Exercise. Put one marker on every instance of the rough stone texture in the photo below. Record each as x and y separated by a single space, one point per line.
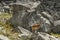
36 36
42 12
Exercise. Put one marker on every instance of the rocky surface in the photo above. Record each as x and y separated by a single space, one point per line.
31 20
8 33
35 12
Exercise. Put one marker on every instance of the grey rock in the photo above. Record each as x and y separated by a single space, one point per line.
46 14
28 13
28 18
24 32
56 29
46 36
57 22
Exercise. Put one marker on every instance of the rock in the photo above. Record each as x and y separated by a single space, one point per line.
24 20
2 37
40 36
24 32
27 14
32 18
35 36
46 14
46 36
56 29
57 22
45 24
56 16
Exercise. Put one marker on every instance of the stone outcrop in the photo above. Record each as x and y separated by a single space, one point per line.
29 13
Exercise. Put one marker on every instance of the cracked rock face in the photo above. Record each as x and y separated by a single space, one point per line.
28 18
27 15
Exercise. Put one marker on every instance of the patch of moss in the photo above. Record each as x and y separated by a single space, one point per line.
56 35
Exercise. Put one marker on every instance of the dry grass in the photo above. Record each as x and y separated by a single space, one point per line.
7 28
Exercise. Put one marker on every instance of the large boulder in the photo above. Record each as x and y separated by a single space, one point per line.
27 15
37 15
